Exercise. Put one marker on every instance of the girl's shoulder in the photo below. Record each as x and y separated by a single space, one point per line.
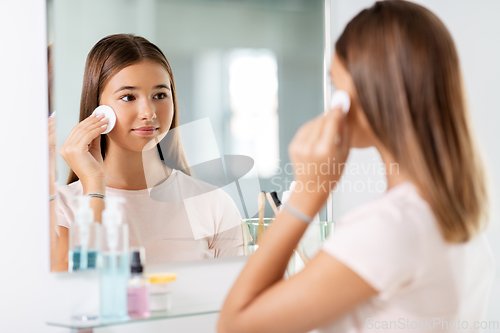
399 204
399 219
382 241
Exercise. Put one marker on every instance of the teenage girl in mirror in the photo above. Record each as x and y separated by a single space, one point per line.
417 253
134 78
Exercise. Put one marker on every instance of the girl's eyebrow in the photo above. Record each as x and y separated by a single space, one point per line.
160 86
126 88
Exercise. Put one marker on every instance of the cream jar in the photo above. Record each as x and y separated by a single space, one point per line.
160 291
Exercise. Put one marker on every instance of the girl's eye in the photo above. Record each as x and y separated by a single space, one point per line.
160 96
127 98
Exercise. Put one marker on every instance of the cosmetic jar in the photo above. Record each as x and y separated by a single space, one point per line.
160 291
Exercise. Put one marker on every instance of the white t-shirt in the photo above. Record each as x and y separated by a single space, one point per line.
182 218
425 284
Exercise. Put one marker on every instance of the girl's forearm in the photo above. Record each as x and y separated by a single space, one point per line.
268 264
97 204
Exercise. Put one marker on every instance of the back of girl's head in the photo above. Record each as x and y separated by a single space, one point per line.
110 55
406 71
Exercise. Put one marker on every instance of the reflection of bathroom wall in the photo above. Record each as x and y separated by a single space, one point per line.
197 37
294 36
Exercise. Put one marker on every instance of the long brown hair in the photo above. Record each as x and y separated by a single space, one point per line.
407 75
109 56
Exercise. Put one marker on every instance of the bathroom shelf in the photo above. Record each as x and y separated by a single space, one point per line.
87 326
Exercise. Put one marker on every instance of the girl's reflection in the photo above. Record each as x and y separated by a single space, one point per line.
133 77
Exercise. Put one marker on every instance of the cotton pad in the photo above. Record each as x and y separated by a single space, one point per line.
340 99
109 114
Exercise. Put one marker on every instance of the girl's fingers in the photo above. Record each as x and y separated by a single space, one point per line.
82 134
92 134
80 129
97 124
319 135
77 128
314 130
79 136
95 145
332 129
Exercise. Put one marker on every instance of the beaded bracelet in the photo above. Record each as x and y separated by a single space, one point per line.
96 195
303 217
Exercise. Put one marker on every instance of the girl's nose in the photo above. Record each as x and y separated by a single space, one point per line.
147 111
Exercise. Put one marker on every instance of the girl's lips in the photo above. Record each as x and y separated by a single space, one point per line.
145 132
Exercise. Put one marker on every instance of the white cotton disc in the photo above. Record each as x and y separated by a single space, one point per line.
340 99
109 114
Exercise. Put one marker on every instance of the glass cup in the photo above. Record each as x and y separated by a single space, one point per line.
307 248
251 233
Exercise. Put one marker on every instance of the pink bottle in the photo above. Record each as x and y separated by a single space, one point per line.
138 287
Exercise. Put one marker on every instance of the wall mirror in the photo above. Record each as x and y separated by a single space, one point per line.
247 74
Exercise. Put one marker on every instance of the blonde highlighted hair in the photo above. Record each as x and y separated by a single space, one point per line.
407 75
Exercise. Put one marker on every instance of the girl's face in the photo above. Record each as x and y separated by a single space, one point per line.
360 131
141 97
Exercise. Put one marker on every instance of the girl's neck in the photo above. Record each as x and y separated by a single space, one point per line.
131 170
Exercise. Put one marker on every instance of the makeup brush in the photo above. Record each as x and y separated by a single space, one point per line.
270 199
261 202
276 200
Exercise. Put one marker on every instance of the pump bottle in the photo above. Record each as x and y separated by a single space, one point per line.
84 240
114 270
138 286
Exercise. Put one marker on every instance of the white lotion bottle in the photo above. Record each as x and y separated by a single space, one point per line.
84 240
115 270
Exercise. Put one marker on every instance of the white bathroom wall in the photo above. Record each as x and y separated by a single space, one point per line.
475 28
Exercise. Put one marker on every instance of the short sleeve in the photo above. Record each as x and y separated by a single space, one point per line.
382 248
62 221
61 207
65 205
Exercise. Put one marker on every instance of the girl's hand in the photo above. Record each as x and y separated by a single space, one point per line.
82 149
318 153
